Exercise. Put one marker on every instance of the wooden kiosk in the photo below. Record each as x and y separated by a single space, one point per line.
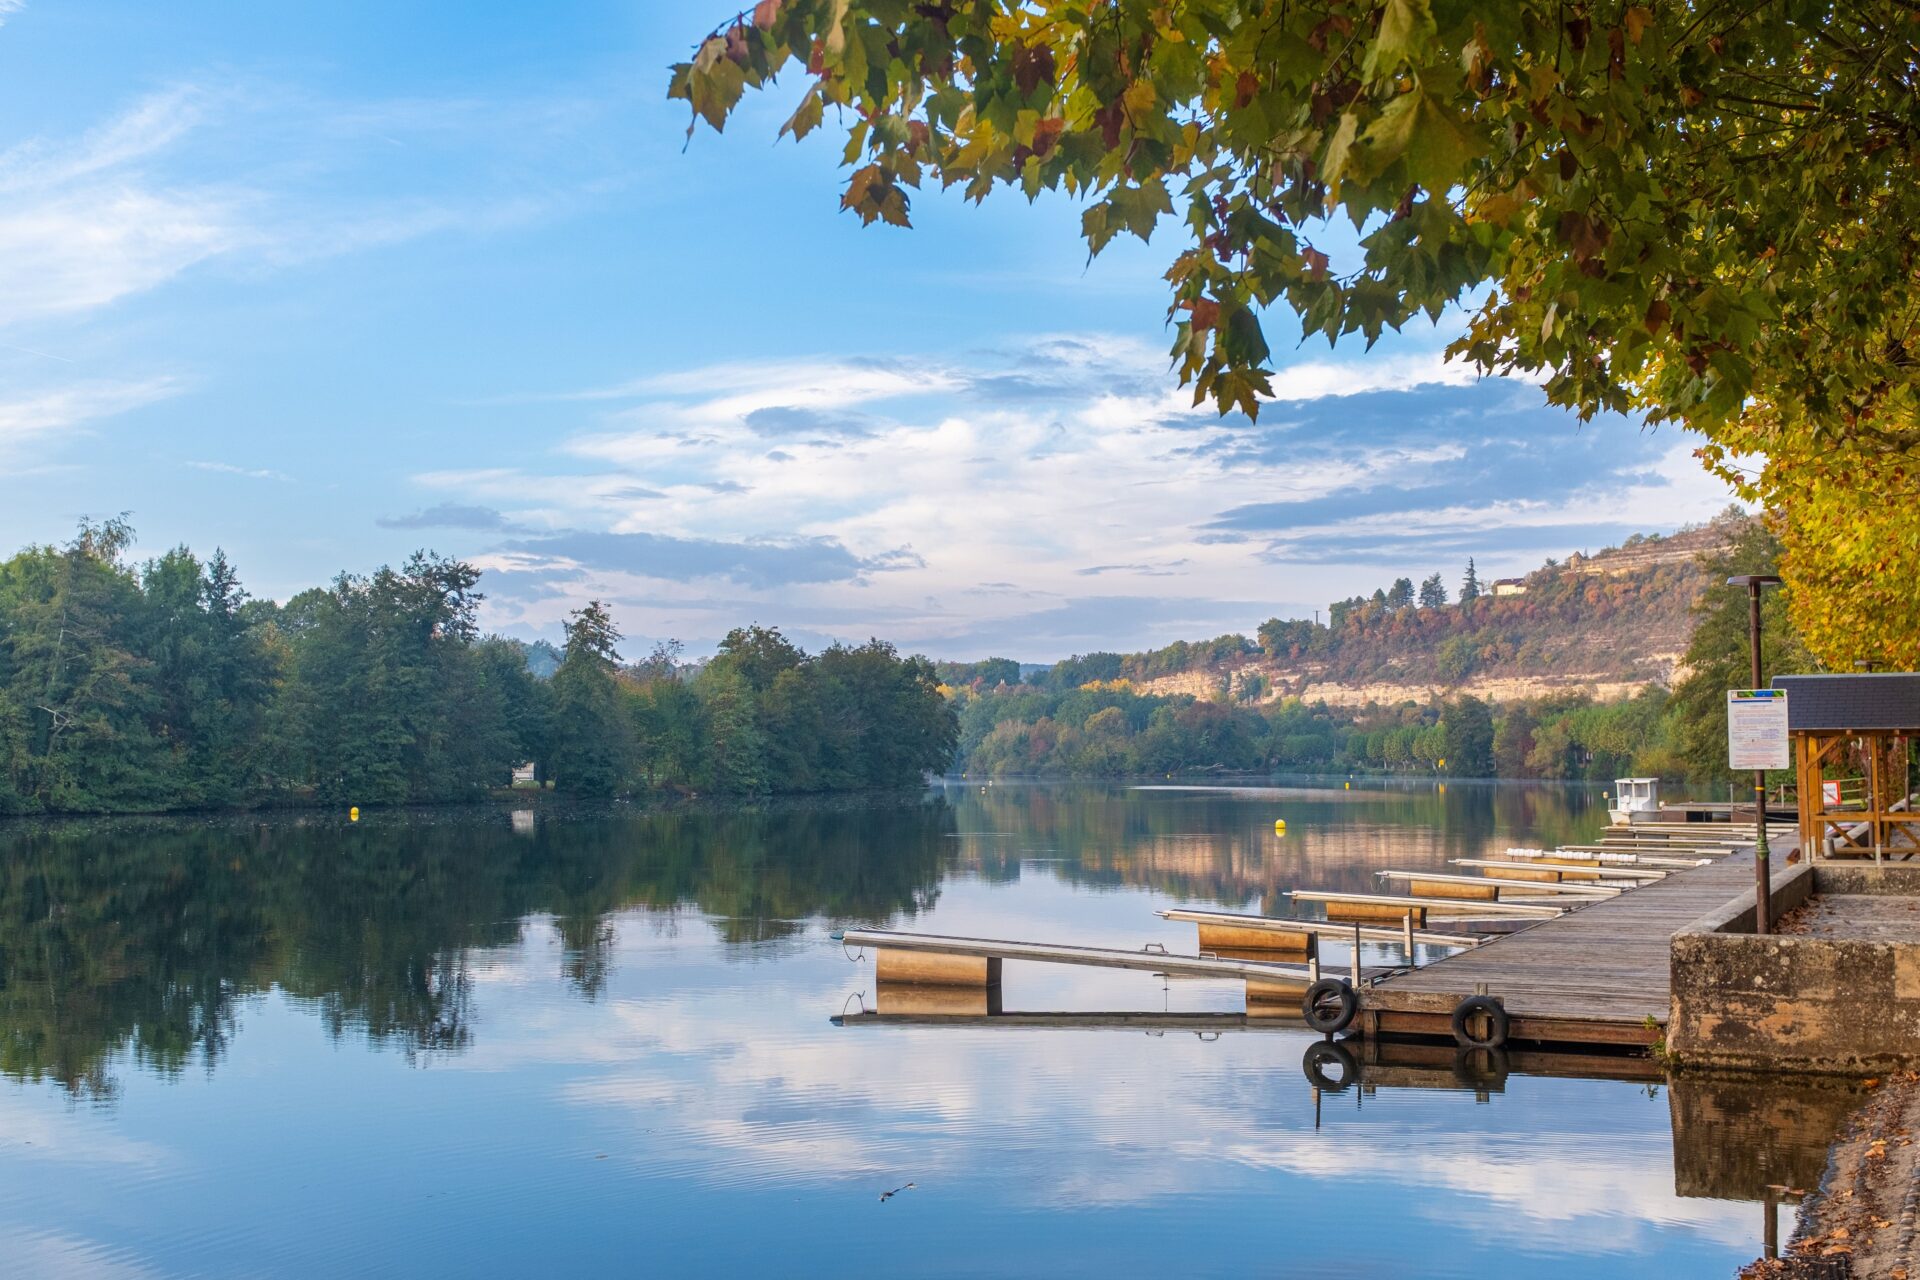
1852 738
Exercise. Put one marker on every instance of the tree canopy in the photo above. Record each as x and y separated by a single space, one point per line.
162 686
1701 212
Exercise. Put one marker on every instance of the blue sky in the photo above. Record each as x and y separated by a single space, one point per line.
325 284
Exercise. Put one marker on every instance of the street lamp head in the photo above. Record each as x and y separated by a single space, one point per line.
1754 580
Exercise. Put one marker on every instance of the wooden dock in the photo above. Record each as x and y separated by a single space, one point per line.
1392 907
944 966
1630 877
1439 884
1093 1020
1592 976
1284 933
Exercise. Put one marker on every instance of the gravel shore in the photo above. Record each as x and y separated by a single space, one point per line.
1860 1223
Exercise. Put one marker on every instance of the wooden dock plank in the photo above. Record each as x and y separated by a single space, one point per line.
1592 974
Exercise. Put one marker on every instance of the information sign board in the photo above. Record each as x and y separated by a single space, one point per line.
1757 729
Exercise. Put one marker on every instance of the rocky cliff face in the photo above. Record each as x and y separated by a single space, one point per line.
1282 682
1607 625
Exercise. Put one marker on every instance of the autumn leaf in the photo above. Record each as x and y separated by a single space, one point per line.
1032 67
805 118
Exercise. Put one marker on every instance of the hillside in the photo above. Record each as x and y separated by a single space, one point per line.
1608 624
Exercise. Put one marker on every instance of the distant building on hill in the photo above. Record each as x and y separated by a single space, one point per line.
1509 586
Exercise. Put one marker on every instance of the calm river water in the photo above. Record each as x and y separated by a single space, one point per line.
495 1043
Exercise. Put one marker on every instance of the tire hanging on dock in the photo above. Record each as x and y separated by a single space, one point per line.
1329 1006
1473 1007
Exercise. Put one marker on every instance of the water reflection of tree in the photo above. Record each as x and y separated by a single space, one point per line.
1214 847
143 939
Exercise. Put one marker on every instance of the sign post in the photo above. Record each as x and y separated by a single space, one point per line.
1757 740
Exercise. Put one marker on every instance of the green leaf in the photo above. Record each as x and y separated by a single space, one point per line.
805 118
715 83
1242 341
1426 135
1389 136
1406 28
1140 207
1097 226
1333 165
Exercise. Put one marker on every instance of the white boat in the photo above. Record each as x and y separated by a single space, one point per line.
1635 800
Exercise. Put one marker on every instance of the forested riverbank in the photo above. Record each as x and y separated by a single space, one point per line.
1096 716
164 686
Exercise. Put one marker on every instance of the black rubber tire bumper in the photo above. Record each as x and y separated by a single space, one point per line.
1473 1007
1329 1005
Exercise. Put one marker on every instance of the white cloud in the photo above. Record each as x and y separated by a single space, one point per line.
86 222
64 407
1028 465
191 175
242 171
228 469
1316 379
141 131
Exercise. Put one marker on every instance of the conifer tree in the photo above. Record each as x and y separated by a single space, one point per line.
593 752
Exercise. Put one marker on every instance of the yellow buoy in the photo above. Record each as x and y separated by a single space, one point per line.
1279 824
1349 786
353 814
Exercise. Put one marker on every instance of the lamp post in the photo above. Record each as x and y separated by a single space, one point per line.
1762 906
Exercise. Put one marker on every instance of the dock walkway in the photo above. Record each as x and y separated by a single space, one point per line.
1592 976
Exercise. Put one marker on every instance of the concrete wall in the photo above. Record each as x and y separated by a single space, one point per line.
1891 879
1789 1002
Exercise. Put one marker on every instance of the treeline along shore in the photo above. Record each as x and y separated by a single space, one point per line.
1097 715
163 686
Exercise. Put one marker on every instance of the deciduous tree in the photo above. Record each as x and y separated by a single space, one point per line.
1700 212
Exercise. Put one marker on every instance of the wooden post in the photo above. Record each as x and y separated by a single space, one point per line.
1762 881
1407 925
1356 958
1879 802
